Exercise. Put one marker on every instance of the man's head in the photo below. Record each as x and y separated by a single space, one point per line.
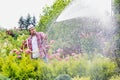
32 30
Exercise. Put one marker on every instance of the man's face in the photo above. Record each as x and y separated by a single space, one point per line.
32 31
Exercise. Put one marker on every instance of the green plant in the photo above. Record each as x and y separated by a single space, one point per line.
51 13
116 77
102 68
63 77
24 68
81 78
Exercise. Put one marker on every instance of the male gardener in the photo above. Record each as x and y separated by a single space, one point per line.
36 42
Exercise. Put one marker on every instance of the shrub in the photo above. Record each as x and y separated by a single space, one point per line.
25 68
115 77
63 77
101 68
81 78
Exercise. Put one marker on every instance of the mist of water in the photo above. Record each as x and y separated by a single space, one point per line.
86 8
85 26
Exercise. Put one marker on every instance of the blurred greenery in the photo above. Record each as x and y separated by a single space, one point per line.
117 17
81 67
51 13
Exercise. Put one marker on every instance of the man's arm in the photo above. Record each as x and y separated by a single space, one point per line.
43 35
24 44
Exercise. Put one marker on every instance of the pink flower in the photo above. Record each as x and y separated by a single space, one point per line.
28 51
50 56
19 56
76 56
52 41
21 50
14 50
67 58
48 46
59 50
58 54
55 55
59 58
73 54
17 52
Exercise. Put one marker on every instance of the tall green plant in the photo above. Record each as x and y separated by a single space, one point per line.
50 14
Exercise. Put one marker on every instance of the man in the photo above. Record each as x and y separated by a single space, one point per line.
37 43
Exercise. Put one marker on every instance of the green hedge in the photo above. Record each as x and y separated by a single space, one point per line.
98 68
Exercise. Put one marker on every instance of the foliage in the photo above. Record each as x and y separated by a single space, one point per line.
98 68
24 68
115 78
102 69
50 13
81 78
117 14
89 39
79 67
13 67
63 77
21 22
8 43
117 2
24 23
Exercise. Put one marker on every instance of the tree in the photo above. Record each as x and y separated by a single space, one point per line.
34 21
25 22
51 13
21 22
28 21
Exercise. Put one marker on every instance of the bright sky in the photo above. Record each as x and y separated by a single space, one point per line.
12 10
